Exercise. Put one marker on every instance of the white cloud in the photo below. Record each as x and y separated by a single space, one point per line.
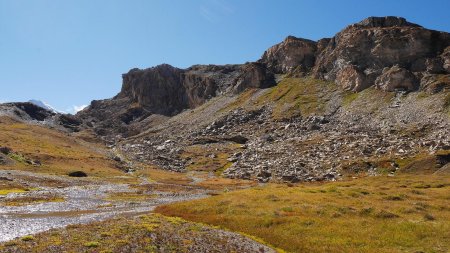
74 109
77 108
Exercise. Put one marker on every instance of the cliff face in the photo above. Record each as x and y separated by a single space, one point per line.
158 89
293 54
168 90
388 53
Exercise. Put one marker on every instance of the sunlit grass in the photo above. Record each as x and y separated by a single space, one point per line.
58 152
379 214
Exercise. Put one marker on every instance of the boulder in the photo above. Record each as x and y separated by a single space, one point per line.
351 79
396 78
445 56
77 173
5 150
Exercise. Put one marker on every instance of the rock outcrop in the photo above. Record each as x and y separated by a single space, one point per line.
31 113
396 78
357 55
253 75
166 90
158 89
293 54
389 53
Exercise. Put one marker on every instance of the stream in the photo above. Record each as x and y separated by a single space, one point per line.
84 201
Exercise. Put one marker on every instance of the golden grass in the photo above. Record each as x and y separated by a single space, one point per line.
21 201
13 190
145 233
225 184
377 214
58 152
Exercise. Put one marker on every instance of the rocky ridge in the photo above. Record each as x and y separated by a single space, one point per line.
372 99
399 71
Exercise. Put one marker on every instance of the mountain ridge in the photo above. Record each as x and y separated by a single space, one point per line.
372 99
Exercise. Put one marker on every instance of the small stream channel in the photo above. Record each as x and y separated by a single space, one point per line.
84 202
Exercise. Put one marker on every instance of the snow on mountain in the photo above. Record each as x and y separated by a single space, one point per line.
43 105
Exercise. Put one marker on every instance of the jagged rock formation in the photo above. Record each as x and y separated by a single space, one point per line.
383 98
293 54
166 90
386 52
358 55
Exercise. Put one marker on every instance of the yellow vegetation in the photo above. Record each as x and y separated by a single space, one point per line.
59 153
378 214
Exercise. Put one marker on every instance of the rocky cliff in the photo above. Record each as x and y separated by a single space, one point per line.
386 52
166 90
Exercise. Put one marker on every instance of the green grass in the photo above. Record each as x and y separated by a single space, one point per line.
349 97
377 214
92 244
27 238
297 96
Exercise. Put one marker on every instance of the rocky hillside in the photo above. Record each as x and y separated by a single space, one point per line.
372 99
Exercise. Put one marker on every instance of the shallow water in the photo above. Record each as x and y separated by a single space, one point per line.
84 202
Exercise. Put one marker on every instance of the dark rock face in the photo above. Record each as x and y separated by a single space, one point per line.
357 55
254 75
158 89
203 82
289 55
29 112
5 150
32 111
166 90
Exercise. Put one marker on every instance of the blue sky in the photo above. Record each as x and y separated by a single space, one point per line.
69 52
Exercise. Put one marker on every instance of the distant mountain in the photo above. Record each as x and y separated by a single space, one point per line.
43 105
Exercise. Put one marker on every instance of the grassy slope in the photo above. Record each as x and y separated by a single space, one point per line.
379 214
58 152
146 233
298 96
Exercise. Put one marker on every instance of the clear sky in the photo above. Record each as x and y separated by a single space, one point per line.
69 52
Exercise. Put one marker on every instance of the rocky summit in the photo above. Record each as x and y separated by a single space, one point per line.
375 98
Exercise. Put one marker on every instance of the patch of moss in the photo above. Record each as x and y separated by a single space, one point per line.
297 96
7 191
349 97
27 238
92 244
